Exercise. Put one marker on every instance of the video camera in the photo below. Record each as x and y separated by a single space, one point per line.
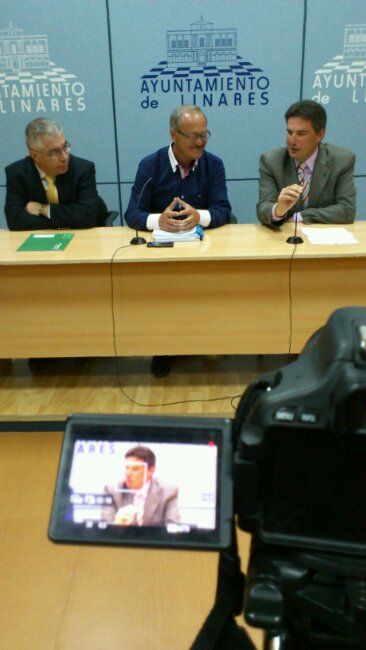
300 446
290 465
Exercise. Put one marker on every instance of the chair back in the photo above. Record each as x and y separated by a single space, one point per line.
105 217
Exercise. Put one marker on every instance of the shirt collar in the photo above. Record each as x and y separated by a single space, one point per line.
174 162
41 173
310 162
142 492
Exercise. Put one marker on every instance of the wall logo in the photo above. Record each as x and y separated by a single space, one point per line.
203 67
345 72
29 81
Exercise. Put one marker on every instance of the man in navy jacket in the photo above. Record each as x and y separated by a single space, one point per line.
180 186
50 188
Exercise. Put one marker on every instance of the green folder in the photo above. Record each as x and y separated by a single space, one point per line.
38 242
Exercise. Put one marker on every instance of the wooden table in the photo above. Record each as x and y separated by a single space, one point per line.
228 294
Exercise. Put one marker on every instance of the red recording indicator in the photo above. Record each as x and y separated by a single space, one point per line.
211 443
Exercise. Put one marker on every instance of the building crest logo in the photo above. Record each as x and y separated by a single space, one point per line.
345 72
30 82
202 67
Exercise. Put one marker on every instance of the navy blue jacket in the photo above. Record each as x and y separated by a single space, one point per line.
79 205
204 188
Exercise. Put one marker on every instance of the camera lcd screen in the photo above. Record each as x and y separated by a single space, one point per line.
139 480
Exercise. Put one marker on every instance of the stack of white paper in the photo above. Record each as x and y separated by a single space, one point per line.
195 234
327 236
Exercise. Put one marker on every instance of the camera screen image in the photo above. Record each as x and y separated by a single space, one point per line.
142 481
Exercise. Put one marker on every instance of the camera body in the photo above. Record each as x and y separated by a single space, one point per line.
301 445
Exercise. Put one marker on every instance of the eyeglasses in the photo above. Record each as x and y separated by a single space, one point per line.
195 136
56 153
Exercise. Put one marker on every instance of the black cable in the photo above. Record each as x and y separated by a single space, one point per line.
211 399
232 400
122 389
290 298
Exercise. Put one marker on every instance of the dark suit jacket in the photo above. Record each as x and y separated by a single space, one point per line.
332 191
79 205
161 504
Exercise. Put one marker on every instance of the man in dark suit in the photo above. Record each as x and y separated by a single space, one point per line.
308 180
140 499
50 188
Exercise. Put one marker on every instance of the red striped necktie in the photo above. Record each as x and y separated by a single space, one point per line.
304 182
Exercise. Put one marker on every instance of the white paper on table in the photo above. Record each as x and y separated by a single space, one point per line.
184 235
328 236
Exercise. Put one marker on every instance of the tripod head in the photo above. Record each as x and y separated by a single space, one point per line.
307 600
302 600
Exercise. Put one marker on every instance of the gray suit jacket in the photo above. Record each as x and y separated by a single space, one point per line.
332 191
161 504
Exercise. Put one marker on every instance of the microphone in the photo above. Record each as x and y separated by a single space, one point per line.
136 241
295 239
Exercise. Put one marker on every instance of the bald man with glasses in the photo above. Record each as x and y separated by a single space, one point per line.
180 186
51 188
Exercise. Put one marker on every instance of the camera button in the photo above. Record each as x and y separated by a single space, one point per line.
309 417
285 414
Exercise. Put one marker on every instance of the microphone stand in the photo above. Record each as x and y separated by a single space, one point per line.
137 240
295 239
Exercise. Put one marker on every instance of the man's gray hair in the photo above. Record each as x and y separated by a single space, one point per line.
37 129
177 114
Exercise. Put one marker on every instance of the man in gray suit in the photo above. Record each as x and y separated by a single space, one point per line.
306 181
140 499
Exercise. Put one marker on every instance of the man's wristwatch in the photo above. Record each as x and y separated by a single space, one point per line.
42 210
